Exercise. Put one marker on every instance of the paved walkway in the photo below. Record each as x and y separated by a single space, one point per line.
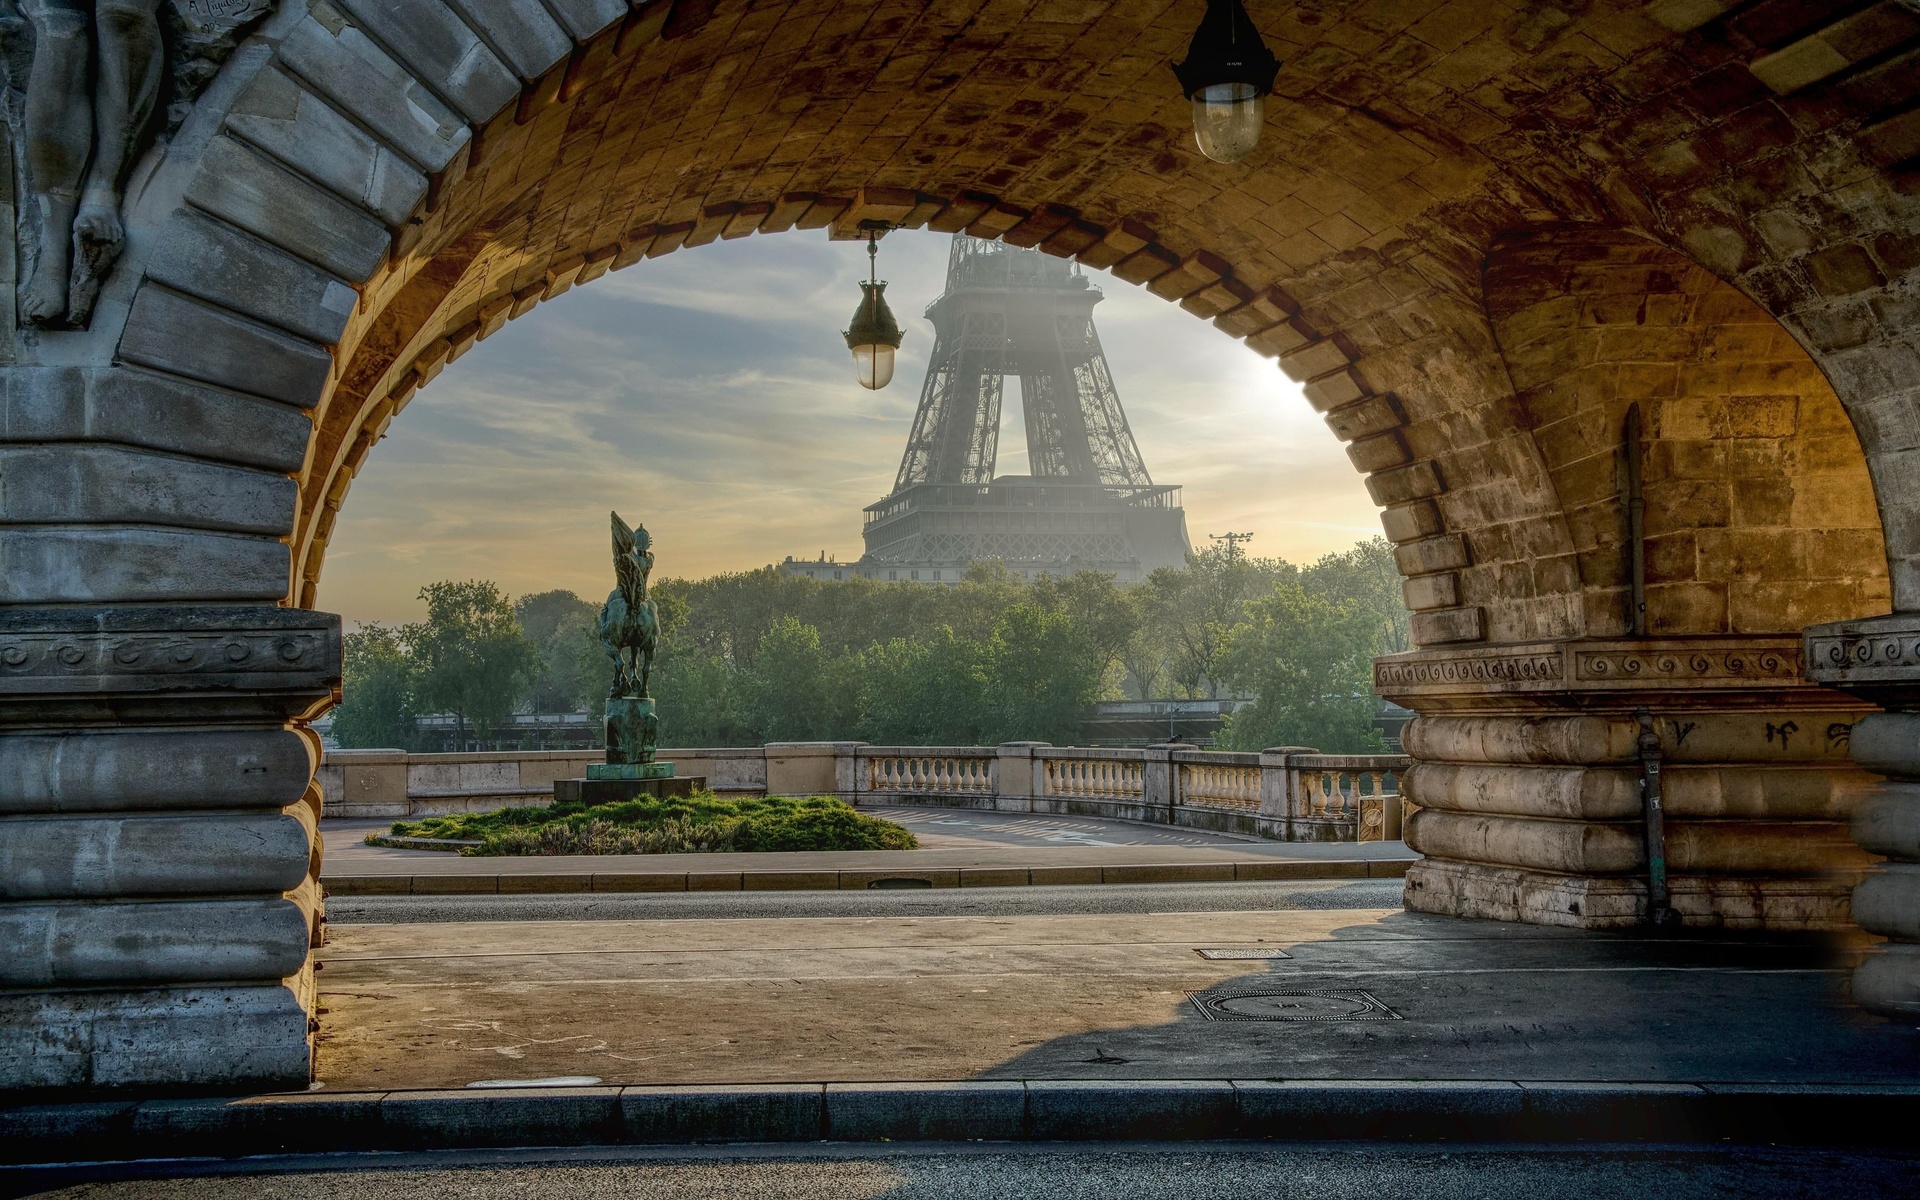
959 848
1330 994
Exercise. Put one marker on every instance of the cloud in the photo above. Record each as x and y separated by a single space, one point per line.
709 394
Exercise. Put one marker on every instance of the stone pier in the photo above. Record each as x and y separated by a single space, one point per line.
1528 782
159 867
1880 660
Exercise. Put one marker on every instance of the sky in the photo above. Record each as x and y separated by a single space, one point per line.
709 394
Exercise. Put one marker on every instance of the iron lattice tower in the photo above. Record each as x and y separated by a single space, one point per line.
1088 504
1012 312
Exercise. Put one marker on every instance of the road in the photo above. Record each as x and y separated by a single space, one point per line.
1213 1171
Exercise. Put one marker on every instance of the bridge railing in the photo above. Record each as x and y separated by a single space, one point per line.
1286 793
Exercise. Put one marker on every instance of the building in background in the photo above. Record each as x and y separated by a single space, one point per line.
1086 503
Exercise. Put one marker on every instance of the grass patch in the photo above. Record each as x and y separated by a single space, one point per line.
702 823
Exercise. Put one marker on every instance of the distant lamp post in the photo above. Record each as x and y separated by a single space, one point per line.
874 334
1228 73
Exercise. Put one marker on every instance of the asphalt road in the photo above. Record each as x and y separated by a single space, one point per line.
1105 899
1209 1171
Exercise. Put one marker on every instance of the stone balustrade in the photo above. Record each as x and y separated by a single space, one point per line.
1288 793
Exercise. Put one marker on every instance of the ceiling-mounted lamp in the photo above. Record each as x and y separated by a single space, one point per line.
874 334
1228 74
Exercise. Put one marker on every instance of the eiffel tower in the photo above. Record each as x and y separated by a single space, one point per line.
1087 502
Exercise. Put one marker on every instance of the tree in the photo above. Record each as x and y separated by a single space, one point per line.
554 622
470 657
929 692
1308 660
1105 618
1191 612
1367 575
797 689
1040 677
377 706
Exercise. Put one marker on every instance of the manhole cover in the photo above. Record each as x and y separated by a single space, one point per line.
1231 953
1354 1005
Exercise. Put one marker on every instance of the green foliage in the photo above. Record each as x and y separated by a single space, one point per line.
797 690
1186 616
924 692
700 823
1307 659
378 711
761 656
1041 673
562 628
469 656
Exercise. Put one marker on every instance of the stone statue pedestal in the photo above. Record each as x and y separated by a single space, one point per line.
593 790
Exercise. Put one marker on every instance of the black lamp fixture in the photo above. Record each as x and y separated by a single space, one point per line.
874 334
1228 74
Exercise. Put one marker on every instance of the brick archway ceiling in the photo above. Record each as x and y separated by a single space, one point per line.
1773 141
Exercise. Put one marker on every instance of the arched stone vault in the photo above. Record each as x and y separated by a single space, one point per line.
1351 246
1475 230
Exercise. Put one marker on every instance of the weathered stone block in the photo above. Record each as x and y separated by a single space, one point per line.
62 858
280 116
348 68
134 943
244 187
152 769
1424 592
525 35
88 484
1449 626
220 1036
162 412
182 336
585 18
86 566
440 48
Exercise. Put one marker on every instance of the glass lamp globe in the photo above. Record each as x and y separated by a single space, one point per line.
873 365
1227 76
1227 119
873 337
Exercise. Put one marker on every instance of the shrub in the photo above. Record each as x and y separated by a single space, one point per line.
698 824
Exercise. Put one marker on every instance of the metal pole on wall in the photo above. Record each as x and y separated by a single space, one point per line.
1634 451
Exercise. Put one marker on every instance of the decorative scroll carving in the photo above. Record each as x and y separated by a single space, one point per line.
82 79
1688 664
1877 658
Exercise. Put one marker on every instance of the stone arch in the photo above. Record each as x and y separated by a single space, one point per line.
1374 300
368 187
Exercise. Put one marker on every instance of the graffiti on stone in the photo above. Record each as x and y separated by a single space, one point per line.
81 84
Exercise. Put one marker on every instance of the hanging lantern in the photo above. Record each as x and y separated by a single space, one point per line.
1228 74
874 334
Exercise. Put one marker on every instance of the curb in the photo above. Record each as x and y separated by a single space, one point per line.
788 881
1012 1110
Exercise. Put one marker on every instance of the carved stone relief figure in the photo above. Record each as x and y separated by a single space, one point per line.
82 81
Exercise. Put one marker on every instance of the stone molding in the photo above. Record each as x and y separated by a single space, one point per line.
123 665
1877 658
1748 671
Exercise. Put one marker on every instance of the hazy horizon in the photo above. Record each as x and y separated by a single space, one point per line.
709 395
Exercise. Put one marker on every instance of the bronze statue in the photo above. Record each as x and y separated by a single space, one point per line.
629 623
630 632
